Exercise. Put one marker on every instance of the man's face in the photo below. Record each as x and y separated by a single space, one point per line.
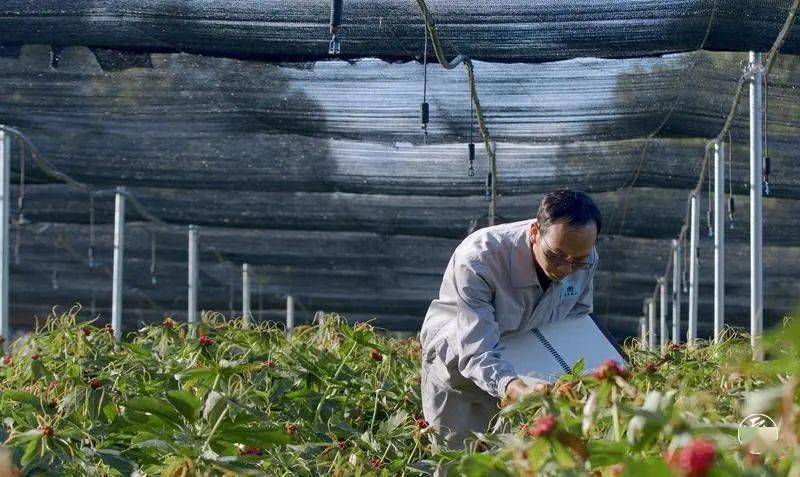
562 249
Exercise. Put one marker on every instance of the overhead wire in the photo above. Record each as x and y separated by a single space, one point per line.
449 65
148 216
766 65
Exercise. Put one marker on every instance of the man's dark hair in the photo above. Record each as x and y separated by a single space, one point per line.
572 207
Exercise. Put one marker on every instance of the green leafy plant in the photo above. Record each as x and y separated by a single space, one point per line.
335 399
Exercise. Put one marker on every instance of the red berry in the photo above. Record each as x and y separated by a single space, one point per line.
421 423
46 431
376 463
617 469
269 363
291 429
168 324
693 460
205 341
250 451
36 356
95 383
650 368
542 427
376 355
86 331
676 346
7 360
341 444
610 368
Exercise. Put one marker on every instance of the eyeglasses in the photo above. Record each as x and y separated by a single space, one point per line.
559 260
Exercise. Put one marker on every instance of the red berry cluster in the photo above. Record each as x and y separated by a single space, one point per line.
36 356
693 460
269 363
376 463
86 331
250 451
542 427
291 429
341 444
95 383
650 367
46 431
376 355
610 368
7 360
421 423
205 341
676 346
168 324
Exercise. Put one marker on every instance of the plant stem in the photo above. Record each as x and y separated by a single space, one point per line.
374 412
214 429
411 455
335 375
615 412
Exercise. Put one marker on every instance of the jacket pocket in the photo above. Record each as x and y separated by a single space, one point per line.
443 366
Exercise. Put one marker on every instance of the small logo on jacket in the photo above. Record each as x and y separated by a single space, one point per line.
569 290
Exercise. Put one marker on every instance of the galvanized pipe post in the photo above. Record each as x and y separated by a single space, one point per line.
694 243
643 332
664 305
5 200
193 272
289 313
756 252
719 239
677 260
119 253
651 324
246 314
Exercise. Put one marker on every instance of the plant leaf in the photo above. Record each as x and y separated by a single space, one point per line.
185 403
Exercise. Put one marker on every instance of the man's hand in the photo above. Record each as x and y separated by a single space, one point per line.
517 388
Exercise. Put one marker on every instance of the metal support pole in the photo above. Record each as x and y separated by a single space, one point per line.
756 253
246 315
651 324
694 243
289 312
119 253
260 301
5 200
192 308
719 239
677 261
664 305
643 332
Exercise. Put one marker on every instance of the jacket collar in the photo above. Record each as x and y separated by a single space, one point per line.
522 269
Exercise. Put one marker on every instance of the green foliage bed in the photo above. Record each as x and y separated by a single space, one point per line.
340 400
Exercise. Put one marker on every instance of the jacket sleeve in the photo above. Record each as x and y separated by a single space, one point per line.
477 331
584 305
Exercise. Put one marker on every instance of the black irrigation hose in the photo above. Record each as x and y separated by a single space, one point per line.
743 80
449 65
51 171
